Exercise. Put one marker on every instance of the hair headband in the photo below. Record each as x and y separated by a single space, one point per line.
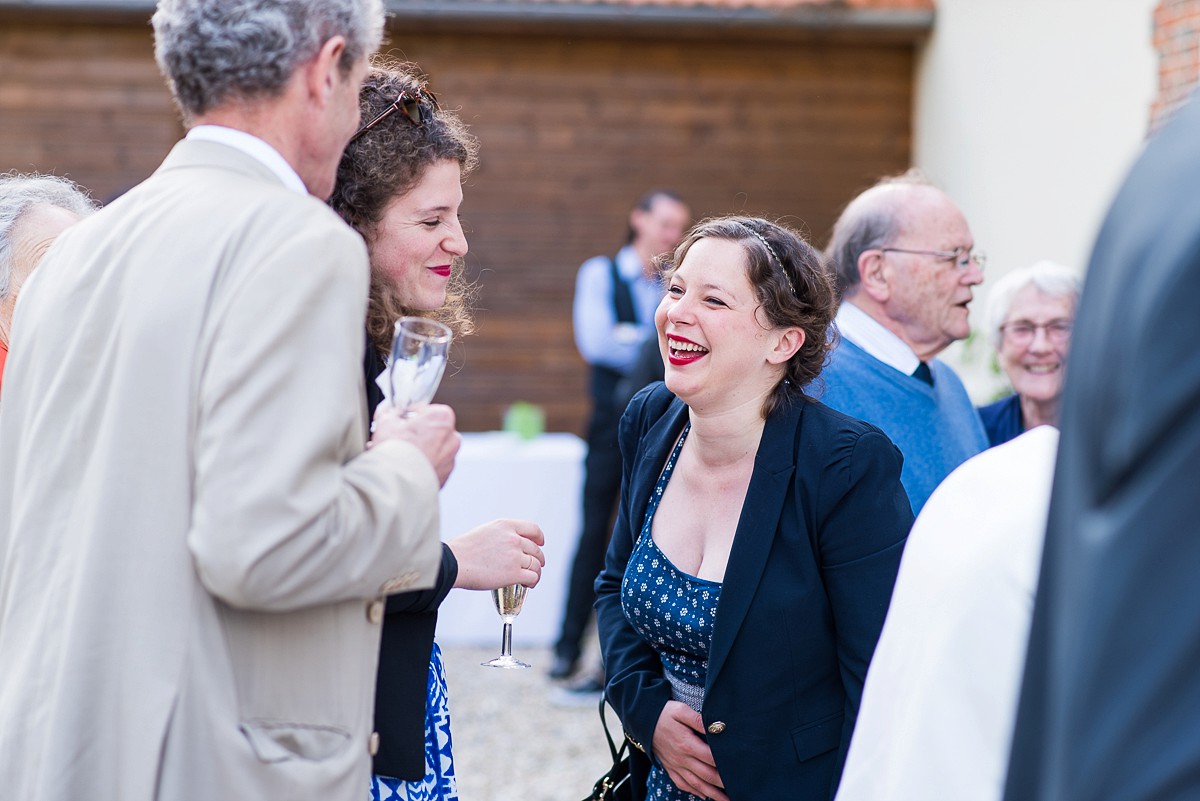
774 255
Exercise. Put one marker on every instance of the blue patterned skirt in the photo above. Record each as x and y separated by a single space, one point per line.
439 783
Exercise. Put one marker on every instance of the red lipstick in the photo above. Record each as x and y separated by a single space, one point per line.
681 356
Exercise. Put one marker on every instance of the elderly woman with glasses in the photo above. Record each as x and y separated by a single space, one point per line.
1030 312
758 533
34 210
399 184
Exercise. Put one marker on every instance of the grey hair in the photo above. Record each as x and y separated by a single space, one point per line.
20 193
871 220
216 51
1053 279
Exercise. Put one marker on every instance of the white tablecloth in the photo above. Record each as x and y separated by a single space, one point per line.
497 474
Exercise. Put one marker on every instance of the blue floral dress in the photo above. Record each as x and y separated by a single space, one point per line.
674 612
439 783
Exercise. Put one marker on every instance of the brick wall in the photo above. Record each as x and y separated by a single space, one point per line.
1177 40
573 128
85 101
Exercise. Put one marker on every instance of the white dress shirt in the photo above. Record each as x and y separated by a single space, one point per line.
600 338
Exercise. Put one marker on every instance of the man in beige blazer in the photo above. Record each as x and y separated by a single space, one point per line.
194 545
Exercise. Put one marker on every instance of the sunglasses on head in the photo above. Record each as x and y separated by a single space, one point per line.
416 105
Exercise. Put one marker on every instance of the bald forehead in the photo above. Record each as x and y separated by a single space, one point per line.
909 205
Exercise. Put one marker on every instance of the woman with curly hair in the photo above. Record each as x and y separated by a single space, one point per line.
399 184
757 538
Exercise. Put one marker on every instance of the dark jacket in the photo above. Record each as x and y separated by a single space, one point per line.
1110 701
804 596
404 650
1002 420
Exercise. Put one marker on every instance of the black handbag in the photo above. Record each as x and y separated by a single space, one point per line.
615 784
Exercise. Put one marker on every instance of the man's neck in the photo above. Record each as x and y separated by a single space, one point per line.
924 351
260 125
273 121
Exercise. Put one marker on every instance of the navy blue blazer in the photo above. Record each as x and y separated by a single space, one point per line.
804 597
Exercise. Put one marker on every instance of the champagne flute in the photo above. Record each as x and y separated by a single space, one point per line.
508 602
419 351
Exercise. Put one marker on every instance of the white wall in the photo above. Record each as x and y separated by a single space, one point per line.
1028 113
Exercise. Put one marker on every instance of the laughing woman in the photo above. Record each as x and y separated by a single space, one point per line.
399 184
758 534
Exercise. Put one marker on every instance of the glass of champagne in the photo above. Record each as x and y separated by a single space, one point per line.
508 605
419 351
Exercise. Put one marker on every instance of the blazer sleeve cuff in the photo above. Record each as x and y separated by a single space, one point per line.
428 600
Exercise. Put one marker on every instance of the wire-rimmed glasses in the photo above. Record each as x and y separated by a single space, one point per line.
962 257
1021 332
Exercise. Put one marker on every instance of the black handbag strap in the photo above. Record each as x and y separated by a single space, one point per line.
617 753
614 784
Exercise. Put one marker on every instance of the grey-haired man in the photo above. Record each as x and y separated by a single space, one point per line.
194 545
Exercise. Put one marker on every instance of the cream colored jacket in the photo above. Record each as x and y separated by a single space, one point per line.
193 544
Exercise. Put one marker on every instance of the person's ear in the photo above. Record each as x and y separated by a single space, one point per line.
324 71
875 275
788 342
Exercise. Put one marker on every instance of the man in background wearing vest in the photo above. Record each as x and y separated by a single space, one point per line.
615 299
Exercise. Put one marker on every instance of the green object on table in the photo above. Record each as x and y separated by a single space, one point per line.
526 420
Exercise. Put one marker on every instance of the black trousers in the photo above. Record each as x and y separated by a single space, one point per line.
601 488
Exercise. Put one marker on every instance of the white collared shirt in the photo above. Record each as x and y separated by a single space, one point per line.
865 331
254 147
599 337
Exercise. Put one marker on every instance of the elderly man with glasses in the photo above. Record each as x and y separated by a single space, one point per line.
905 262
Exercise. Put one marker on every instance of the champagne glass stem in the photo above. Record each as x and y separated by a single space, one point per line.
506 642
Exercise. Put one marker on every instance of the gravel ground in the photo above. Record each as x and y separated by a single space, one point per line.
511 743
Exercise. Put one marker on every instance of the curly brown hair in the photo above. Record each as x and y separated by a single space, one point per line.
388 161
792 286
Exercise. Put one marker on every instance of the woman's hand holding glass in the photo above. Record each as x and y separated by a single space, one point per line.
498 554
504 556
